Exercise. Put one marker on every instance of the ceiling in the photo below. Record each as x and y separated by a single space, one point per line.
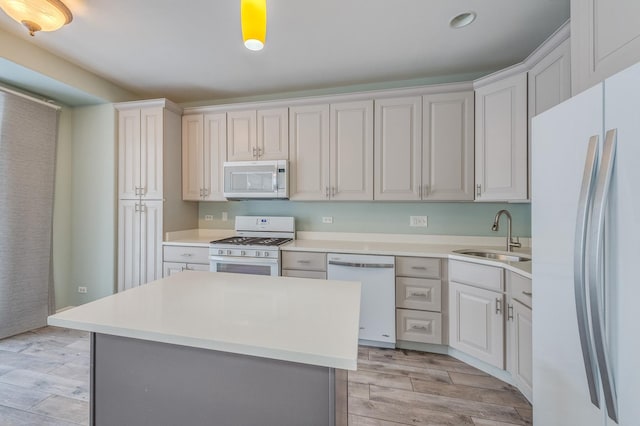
191 51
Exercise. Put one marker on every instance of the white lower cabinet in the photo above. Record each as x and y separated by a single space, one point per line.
419 300
477 323
304 265
171 268
521 347
519 344
418 326
184 258
139 242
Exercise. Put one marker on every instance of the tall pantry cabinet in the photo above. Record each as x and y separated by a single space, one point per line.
149 190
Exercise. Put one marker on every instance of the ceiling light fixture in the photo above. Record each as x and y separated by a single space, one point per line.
38 15
253 16
462 20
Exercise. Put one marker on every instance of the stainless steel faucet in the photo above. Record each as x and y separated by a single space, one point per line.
496 226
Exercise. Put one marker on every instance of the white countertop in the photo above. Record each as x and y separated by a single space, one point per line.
409 249
196 237
291 319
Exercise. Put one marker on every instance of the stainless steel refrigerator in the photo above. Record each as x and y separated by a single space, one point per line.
586 252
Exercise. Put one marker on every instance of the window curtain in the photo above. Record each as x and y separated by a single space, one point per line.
28 137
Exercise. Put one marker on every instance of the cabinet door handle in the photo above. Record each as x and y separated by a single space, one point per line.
260 153
333 191
326 192
498 305
136 208
143 208
510 312
527 293
426 190
478 190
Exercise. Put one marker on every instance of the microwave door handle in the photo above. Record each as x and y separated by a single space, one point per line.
275 180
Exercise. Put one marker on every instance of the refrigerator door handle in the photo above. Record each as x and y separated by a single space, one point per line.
579 269
596 282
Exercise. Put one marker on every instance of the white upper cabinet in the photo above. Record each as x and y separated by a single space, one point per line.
258 135
204 150
331 151
424 147
398 148
351 151
550 80
605 39
192 156
309 152
140 144
501 139
447 147
273 134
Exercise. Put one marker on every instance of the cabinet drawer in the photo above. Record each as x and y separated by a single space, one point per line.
420 267
418 326
520 288
319 275
477 275
186 254
418 293
309 261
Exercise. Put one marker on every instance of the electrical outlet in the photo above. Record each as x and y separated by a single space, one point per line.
208 217
418 221
225 216
82 289
327 219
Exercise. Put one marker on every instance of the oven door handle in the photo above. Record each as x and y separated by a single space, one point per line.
244 260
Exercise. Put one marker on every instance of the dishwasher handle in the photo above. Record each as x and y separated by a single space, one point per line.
362 265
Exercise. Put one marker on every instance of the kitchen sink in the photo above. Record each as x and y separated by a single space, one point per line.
496 255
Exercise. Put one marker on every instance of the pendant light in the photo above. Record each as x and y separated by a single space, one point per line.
253 16
38 15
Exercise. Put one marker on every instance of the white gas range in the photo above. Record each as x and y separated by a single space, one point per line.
255 249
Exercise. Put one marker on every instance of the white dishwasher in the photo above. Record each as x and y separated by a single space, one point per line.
378 295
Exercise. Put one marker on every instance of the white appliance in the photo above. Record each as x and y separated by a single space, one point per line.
255 249
256 179
378 296
586 246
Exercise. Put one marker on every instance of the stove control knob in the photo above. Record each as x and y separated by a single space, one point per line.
266 254
257 254
242 253
220 251
228 252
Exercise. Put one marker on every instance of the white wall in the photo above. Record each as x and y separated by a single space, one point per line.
62 210
93 203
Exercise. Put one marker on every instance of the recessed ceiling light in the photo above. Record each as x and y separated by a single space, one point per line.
462 20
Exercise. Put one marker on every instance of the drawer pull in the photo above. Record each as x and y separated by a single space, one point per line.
527 293
186 254
420 268
385 335
304 261
498 306
419 295
419 327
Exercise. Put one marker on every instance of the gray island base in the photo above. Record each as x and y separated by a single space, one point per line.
141 382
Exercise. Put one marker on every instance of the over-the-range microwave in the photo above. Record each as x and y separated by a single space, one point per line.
266 179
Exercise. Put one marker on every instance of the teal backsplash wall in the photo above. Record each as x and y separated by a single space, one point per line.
473 219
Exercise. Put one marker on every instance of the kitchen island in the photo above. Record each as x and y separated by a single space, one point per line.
221 349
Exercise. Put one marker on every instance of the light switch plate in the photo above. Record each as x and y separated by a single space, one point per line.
418 221
327 219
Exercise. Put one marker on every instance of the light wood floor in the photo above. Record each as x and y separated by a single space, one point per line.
44 380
